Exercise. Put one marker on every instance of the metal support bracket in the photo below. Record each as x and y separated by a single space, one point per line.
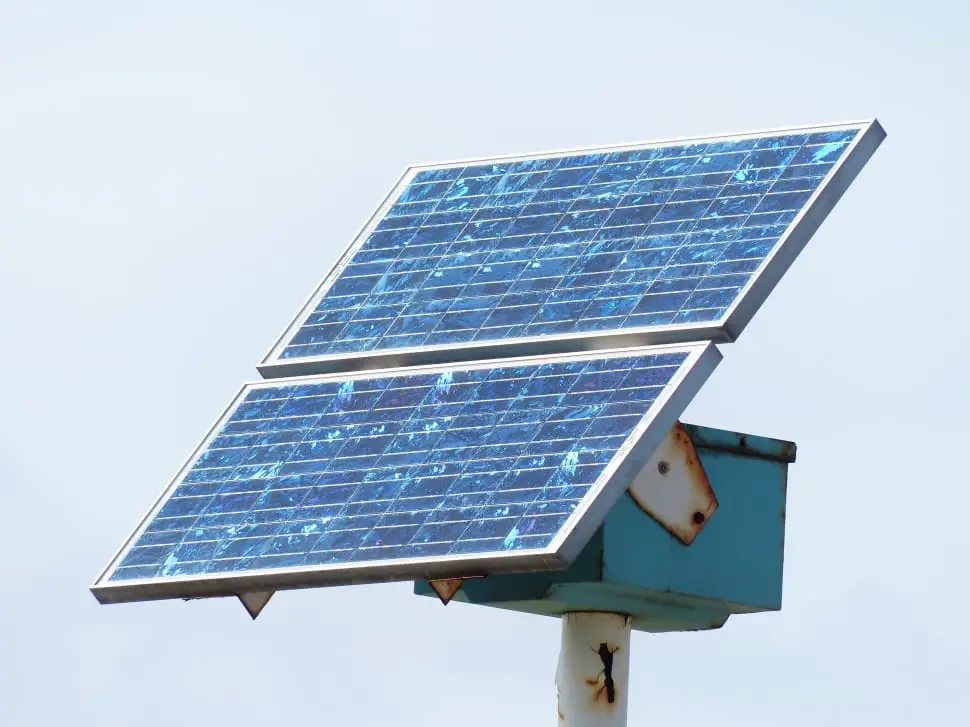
255 601
673 487
446 588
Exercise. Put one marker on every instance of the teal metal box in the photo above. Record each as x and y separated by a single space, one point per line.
632 565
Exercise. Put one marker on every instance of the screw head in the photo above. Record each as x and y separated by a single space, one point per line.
699 518
663 468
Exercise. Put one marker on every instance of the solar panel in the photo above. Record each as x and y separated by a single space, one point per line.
455 469
649 243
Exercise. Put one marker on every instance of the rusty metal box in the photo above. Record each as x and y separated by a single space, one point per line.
633 565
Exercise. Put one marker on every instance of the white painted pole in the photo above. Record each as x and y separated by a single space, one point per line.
594 670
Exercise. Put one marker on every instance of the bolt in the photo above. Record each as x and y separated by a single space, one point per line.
699 517
663 468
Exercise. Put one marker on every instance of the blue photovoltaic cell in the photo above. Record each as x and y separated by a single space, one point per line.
569 244
312 473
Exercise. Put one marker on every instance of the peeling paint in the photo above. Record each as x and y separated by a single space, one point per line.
606 652
594 668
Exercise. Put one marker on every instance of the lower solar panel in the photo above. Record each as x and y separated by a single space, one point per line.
426 472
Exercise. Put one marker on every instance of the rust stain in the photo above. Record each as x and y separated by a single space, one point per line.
685 446
602 694
254 602
446 588
788 451
604 688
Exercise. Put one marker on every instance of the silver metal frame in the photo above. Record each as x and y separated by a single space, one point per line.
726 330
702 359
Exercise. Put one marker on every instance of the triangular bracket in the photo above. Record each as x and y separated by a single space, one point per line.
255 601
673 487
446 588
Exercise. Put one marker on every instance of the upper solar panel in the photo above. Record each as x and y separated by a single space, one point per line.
408 473
651 243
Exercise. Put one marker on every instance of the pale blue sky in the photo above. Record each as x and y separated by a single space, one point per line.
176 178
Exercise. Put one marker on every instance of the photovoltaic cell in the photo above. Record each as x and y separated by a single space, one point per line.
649 238
388 472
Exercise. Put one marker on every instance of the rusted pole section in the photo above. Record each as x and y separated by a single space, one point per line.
594 670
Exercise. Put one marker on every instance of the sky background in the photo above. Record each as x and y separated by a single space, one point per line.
177 177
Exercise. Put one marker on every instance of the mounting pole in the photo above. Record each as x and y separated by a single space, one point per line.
594 669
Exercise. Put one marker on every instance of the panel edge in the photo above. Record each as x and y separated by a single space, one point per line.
692 377
787 250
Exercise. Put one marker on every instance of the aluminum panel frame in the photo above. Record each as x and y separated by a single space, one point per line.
802 228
